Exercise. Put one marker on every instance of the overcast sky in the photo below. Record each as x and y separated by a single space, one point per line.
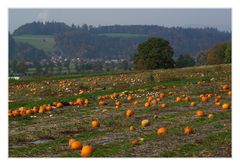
218 18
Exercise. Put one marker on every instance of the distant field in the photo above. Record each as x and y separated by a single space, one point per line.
44 42
124 35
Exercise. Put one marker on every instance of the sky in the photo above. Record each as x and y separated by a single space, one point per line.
217 18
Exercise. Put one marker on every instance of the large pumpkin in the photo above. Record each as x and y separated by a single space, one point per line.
129 113
76 145
86 151
162 131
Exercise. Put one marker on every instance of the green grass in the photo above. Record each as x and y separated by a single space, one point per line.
44 42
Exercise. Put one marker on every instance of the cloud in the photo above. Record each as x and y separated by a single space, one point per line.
43 16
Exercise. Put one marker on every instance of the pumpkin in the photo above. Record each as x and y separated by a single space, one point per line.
178 99
134 142
129 113
95 123
129 98
86 151
218 104
187 98
48 108
10 114
225 87
226 106
162 95
204 99
41 109
210 116
136 102
216 100
79 101
147 104
162 131
150 98
16 113
131 128
219 97
59 105
86 102
145 123
192 104
29 112
118 103
158 99
188 130
102 103
71 141
230 93
199 113
163 105
76 145
35 109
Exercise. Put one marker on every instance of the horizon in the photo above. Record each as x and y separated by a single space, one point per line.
185 18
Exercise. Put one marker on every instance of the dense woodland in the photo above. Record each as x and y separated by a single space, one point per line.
91 45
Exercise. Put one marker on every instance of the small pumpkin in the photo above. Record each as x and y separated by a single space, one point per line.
192 104
187 98
59 105
225 87
95 123
147 104
129 113
131 128
162 95
134 142
178 99
150 98
163 105
200 113
226 106
129 98
48 108
71 141
230 93
204 99
162 131
188 130
86 151
76 145
210 116
145 123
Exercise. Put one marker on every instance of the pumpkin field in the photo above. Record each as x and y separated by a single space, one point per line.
155 113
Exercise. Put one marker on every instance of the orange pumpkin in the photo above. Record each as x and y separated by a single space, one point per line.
48 108
59 105
129 113
150 98
187 98
147 104
95 123
118 103
134 142
230 93
192 104
86 151
226 106
162 95
76 145
199 113
131 128
162 131
41 109
188 130
129 98
178 99
29 112
218 104
204 99
35 109
71 141
102 103
225 87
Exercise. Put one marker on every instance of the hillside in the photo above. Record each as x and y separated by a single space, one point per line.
44 42
116 41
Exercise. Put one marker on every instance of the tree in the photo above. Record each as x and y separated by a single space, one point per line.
228 53
185 61
154 53
201 58
216 54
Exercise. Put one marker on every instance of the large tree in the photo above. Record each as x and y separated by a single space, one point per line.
185 61
154 53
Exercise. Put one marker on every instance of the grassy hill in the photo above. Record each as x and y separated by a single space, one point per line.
123 35
44 42
47 134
